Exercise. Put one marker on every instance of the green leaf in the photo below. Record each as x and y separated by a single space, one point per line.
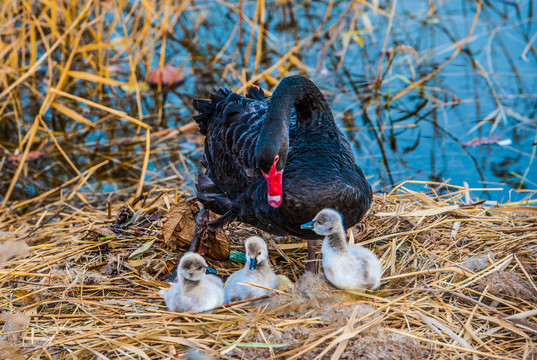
142 249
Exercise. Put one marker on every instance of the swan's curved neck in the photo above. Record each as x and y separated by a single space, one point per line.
189 284
293 92
337 241
298 92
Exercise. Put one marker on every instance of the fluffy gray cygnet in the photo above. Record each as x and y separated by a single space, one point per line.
195 290
257 270
350 267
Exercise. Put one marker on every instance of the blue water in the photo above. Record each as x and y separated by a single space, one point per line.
486 94
488 91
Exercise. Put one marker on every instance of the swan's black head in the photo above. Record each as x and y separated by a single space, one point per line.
271 155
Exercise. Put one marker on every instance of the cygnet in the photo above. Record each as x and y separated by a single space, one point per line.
257 270
195 290
350 267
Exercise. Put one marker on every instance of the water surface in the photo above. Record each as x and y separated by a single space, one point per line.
474 121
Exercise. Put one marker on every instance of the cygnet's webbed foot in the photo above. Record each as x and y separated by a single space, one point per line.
209 238
173 278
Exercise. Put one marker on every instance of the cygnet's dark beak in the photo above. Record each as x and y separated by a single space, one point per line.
210 270
308 225
253 263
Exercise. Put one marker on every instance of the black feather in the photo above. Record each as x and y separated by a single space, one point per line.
255 93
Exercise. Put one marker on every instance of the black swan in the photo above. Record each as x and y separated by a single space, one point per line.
275 162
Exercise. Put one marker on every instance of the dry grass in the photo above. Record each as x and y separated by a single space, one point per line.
459 281
459 278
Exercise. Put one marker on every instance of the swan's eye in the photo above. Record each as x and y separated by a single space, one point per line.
201 267
259 253
320 223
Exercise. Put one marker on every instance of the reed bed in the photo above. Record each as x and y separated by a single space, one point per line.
74 106
458 282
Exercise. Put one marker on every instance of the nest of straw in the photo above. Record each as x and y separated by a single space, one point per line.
458 282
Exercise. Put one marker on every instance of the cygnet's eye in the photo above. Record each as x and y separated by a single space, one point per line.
259 253
320 222
200 267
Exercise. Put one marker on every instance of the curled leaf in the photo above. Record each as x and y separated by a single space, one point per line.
180 226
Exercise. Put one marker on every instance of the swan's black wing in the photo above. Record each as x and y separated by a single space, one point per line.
231 124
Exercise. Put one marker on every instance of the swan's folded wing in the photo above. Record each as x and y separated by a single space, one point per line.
367 266
232 128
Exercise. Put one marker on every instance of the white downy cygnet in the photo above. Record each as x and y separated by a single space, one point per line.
195 290
350 267
257 270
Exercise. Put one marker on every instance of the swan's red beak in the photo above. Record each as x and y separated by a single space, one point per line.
274 184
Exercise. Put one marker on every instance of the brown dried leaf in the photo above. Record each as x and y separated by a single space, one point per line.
32 155
214 244
136 263
219 249
180 224
104 232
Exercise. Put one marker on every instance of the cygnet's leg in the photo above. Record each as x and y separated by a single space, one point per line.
311 264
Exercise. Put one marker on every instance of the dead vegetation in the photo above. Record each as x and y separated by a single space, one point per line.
459 281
